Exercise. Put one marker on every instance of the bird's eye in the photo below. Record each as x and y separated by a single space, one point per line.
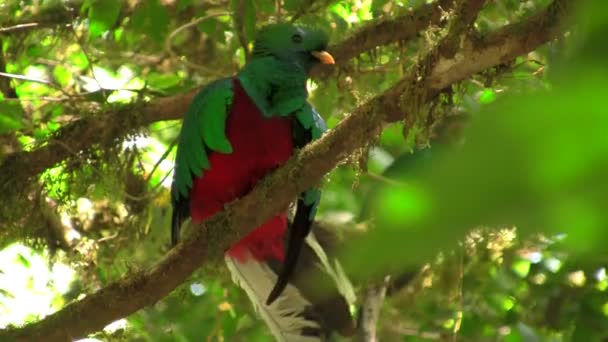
296 38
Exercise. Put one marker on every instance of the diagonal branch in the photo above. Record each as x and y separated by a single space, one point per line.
209 240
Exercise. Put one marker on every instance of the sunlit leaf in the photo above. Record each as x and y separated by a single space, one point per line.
102 15
487 95
62 75
521 267
23 260
163 81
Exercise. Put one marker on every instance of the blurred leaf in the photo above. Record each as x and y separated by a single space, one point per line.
102 275
293 5
247 11
521 267
214 28
79 59
6 294
183 4
151 18
23 260
487 96
162 81
102 15
11 114
551 182
62 75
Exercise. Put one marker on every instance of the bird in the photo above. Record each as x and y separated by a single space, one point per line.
235 132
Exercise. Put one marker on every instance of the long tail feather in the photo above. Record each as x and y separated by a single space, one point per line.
333 268
286 316
181 212
300 227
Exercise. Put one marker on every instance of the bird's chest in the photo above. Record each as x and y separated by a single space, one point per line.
259 145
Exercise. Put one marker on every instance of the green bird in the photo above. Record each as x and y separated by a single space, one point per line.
235 132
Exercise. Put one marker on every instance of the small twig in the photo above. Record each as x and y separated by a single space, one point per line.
384 179
458 319
160 160
57 231
194 22
373 298
90 64
28 79
427 335
18 27
239 27
277 6
107 238
309 7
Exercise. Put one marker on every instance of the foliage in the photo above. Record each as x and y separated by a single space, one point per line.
534 158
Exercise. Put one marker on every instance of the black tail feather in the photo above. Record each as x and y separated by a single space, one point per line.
298 231
181 211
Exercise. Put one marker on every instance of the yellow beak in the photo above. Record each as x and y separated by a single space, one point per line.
324 56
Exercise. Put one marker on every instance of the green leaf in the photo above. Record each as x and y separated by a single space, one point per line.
162 81
62 75
79 59
151 19
23 260
378 4
102 275
11 115
250 20
183 4
487 96
292 5
102 15
521 267
268 6
214 28
248 13
4 293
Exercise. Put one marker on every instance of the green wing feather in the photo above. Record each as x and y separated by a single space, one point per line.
311 121
203 129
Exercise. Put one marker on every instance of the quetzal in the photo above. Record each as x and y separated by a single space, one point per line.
235 132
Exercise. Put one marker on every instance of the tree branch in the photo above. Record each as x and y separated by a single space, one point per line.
210 239
373 298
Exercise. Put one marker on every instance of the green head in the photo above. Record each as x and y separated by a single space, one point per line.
290 43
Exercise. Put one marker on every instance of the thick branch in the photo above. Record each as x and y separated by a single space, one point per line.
208 241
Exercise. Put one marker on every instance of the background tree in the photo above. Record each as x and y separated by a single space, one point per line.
91 92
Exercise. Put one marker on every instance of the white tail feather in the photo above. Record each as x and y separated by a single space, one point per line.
336 272
257 279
